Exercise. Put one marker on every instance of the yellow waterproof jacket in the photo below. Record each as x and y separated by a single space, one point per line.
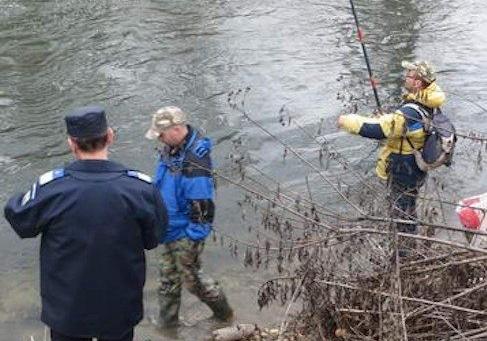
395 157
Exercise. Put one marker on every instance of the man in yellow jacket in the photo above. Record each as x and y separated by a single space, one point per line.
402 132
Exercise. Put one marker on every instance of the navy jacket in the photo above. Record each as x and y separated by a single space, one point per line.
184 175
96 218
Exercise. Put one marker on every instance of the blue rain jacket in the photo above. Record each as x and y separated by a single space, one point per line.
181 176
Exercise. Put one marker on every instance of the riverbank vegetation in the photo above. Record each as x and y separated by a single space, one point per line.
342 270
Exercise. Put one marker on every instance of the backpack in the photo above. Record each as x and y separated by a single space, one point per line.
440 140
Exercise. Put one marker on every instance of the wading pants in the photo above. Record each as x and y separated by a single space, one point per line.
180 264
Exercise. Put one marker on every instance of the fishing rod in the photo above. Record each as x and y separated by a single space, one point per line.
360 36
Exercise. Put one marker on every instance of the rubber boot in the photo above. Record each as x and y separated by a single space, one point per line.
221 309
168 312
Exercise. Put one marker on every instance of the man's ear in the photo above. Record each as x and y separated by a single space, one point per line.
72 145
110 136
419 84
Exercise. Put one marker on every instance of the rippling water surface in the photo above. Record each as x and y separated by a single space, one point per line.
134 56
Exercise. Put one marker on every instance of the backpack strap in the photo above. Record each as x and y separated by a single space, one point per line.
426 118
426 113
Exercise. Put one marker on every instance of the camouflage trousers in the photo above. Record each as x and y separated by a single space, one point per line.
180 264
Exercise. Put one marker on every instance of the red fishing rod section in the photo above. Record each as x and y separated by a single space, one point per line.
360 36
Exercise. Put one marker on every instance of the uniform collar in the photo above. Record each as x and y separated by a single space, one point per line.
95 166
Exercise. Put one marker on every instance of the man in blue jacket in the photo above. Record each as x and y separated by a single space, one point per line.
95 217
184 179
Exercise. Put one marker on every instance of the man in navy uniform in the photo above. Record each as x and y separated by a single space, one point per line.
95 217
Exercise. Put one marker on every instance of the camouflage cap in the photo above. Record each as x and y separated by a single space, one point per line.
164 118
423 69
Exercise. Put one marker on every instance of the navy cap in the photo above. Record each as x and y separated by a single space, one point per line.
87 122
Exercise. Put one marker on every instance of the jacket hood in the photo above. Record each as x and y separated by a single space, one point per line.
432 96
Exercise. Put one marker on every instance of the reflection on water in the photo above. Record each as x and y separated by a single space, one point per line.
136 56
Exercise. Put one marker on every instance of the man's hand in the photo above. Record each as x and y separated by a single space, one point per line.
340 121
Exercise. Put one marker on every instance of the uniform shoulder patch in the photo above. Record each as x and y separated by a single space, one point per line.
140 176
50 176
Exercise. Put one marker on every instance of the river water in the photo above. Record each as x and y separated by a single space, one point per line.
135 56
